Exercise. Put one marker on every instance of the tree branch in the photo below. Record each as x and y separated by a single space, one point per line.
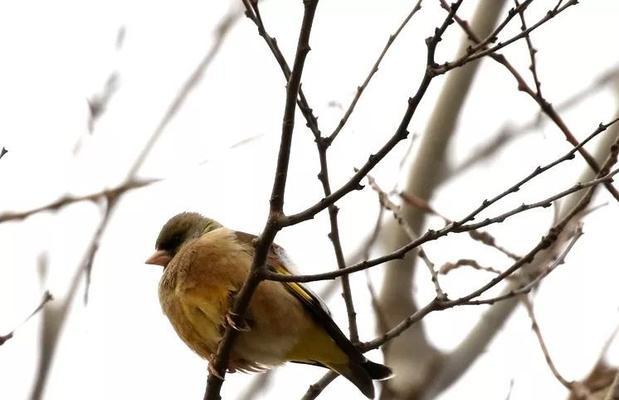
218 367
544 105
461 226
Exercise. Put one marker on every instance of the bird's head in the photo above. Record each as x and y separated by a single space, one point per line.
176 232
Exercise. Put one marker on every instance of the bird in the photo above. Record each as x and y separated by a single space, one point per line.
205 265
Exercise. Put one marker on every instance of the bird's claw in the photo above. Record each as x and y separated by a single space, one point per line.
213 371
230 321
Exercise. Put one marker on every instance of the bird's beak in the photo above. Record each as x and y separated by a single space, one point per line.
159 257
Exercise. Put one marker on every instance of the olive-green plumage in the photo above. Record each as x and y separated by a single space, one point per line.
206 264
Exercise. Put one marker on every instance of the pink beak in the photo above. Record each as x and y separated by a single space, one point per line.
159 257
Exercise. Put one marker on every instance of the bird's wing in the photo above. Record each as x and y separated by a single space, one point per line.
278 262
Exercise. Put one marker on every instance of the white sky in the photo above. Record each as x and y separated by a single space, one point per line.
120 346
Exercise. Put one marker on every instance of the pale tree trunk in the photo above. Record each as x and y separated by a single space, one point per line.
413 358
422 372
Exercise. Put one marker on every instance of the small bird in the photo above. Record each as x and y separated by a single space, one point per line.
205 265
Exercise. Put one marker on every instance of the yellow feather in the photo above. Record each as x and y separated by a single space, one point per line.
316 345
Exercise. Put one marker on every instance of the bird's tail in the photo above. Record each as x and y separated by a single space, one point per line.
362 374
376 371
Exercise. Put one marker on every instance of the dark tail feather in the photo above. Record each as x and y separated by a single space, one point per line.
363 374
377 371
357 374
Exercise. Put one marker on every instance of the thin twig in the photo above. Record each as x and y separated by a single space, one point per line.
493 36
539 170
489 51
373 71
98 102
378 310
395 210
47 297
532 50
466 262
334 236
105 194
89 260
538 334
315 389
480 236
489 240
253 13
547 202
523 290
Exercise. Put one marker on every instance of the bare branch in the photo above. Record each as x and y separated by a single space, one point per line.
374 69
543 203
435 234
490 51
539 170
69 199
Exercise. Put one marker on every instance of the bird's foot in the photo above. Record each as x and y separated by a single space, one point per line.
230 320
213 371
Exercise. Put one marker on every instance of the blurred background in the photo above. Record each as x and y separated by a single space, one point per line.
85 85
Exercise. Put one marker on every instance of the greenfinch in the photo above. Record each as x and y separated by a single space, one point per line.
205 265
